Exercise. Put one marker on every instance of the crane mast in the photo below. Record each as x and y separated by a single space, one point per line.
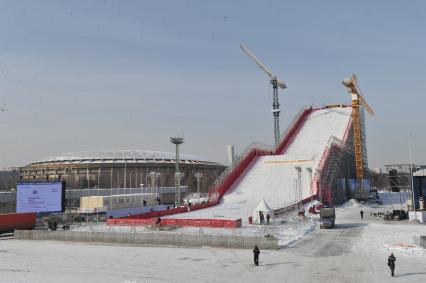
275 84
357 101
276 111
356 120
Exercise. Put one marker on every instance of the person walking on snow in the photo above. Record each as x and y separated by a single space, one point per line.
362 214
391 263
256 253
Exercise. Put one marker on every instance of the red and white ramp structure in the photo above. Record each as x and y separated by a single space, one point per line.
315 151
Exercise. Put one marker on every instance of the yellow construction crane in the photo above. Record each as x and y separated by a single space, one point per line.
357 100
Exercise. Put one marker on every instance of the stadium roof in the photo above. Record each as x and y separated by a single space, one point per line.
122 156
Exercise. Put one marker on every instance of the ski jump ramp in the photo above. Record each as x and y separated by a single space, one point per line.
275 177
266 174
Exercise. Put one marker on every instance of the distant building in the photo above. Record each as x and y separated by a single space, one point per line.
121 169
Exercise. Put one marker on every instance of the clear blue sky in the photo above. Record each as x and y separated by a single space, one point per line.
104 75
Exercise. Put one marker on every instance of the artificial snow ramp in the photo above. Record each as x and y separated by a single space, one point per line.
274 177
280 177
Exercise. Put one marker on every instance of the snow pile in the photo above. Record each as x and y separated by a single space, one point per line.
408 249
351 203
393 237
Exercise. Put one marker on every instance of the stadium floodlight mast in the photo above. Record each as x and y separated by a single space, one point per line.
412 180
198 176
141 195
177 141
157 178
153 177
275 84
299 184
309 169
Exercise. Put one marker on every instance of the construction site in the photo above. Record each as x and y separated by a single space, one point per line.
212 141
321 152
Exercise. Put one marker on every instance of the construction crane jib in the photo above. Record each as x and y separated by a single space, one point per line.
275 84
357 101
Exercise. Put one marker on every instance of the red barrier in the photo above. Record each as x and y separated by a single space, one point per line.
160 213
212 223
17 221
155 214
295 206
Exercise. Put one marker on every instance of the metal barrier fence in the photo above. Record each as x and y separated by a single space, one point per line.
153 238
286 228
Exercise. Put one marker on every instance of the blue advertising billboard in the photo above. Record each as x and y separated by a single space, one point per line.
40 197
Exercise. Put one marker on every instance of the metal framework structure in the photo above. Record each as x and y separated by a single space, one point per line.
398 177
338 164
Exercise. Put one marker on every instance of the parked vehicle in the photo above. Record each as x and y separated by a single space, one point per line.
327 217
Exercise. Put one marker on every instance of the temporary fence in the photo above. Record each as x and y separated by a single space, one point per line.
154 238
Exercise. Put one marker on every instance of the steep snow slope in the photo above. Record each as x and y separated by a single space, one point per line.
273 177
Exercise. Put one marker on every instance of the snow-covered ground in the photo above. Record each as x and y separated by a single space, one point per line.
355 251
273 177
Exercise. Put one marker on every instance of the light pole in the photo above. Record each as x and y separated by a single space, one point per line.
299 183
318 178
178 176
177 141
412 180
157 178
198 176
88 197
295 191
309 169
153 177
141 195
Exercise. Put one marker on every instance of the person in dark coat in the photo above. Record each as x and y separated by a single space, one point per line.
256 253
391 263
362 214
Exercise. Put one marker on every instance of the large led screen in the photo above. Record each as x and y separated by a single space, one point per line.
40 197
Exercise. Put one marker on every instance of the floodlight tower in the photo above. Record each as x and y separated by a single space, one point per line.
299 184
177 141
309 169
275 84
198 176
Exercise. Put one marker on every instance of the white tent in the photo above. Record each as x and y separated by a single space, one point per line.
263 214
